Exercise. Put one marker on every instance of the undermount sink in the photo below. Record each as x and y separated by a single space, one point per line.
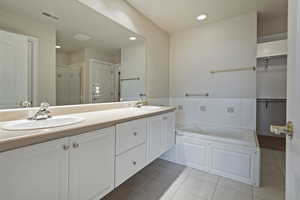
150 108
144 109
52 122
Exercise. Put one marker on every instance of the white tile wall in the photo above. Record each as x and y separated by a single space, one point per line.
216 112
159 101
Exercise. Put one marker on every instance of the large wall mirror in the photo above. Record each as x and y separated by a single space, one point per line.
64 53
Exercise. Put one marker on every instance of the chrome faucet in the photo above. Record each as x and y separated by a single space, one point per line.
43 113
141 102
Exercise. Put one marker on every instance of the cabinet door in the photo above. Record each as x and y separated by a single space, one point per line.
168 131
35 172
92 158
155 137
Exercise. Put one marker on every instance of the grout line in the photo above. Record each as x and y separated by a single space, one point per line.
215 190
180 184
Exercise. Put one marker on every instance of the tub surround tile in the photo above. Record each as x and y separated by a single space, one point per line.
214 112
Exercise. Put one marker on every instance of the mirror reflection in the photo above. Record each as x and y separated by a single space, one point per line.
48 54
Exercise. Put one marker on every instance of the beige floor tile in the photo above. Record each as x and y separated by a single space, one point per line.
181 195
170 192
224 193
234 185
269 192
272 179
203 176
198 187
137 182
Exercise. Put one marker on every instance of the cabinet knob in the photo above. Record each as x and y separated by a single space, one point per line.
134 162
75 145
165 118
135 133
66 147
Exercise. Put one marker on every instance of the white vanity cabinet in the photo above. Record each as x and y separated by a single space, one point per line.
92 164
168 131
73 168
86 166
130 149
161 135
140 142
35 172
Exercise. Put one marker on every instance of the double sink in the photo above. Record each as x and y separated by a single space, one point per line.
58 121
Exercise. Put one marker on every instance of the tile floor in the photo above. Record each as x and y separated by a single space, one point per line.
163 180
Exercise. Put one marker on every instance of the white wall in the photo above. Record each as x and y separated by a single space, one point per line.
157 42
231 103
133 64
271 82
90 53
227 44
76 56
62 58
47 41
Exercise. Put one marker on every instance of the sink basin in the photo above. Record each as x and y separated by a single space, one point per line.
144 109
20 125
150 108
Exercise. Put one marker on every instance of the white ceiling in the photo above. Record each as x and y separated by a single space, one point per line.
74 18
176 15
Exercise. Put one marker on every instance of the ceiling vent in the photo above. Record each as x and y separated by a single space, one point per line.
82 37
50 15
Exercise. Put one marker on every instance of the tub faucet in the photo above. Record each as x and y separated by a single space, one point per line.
43 113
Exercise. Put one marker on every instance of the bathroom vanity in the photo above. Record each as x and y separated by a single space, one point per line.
83 161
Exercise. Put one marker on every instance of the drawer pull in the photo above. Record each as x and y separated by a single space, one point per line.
134 162
75 145
66 147
165 118
135 133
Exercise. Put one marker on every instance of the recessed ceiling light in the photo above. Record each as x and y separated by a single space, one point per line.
201 17
58 46
82 37
132 38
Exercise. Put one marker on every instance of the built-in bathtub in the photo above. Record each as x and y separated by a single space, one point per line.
231 153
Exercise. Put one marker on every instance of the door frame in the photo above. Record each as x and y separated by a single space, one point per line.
34 70
90 89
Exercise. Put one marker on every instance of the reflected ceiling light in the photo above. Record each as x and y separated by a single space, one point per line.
132 38
201 17
58 46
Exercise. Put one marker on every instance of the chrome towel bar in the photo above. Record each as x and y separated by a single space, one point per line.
233 70
130 79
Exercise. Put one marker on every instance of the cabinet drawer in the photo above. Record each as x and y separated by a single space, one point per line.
130 134
130 163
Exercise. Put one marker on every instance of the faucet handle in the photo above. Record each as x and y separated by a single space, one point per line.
25 104
45 105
